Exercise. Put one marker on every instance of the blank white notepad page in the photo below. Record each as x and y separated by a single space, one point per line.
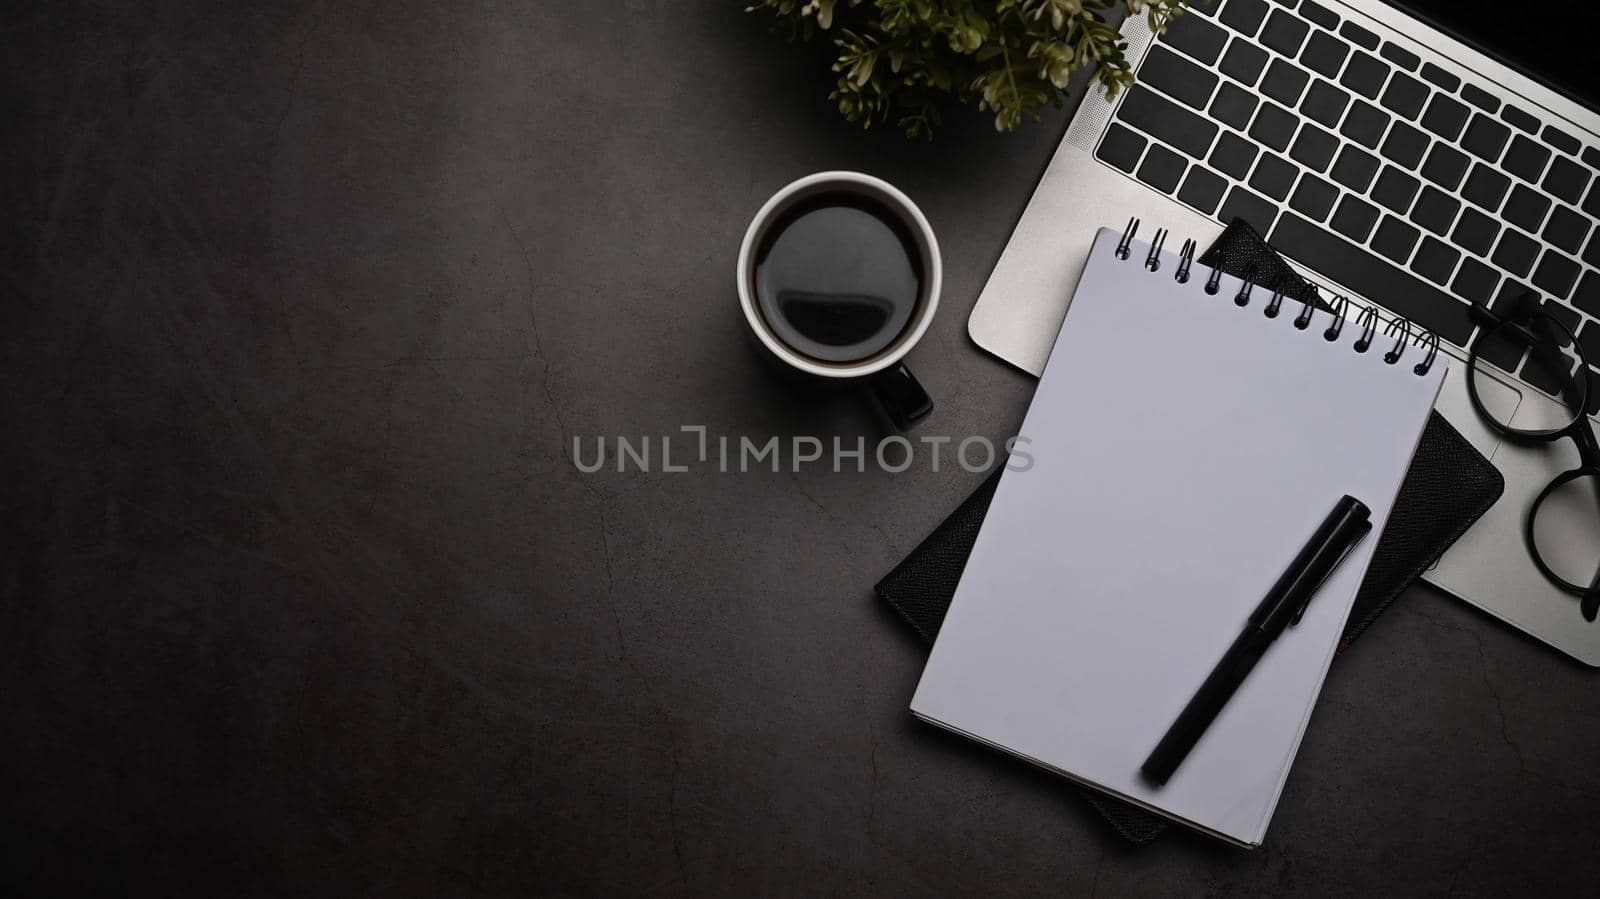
1184 449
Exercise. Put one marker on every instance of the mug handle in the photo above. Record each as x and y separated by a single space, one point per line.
902 397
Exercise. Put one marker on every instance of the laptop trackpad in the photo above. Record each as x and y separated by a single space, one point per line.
1501 400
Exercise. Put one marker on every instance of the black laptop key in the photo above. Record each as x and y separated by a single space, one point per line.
1405 95
1324 103
1526 158
1548 372
1556 274
1439 77
1551 371
1313 197
1516 252
1485 187
1243 62
1592 254
1284 33
1475 232
1324 54
1559 139
1364 74
1525 208
1245 204
1444 117
1273 176
1244 16
1162 169
1563 314
1435 260
1566 180
1400 56
1233 106
1395 190
1485 138
1594 392
1566 229
1120 148
1510 297
1588 296
1195 36
1354 218
1506 351
1274 126
1567 316
1445 166
1233 155
1474 282
1395 239
1319 14
1177 77
1405 145
1373 277
1354 169
1435 210
1365 124
1591 204
1480 98
1284 82
1520 119
1203 189
1313 147
1589 339
1166 121
1359 35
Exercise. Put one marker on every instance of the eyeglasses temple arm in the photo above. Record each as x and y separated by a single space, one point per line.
1488 320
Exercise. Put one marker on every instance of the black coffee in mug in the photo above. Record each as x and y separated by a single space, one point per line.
838 277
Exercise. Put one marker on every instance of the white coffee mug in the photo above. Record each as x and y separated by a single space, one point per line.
884 371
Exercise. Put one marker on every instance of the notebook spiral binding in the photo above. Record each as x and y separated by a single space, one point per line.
1367 319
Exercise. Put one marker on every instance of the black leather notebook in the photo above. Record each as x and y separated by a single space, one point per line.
1448 486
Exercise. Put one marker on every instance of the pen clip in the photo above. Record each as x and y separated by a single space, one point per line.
1366 528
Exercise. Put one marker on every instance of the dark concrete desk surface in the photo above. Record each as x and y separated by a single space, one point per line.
301 595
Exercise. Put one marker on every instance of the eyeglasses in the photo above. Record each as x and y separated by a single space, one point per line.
1565 515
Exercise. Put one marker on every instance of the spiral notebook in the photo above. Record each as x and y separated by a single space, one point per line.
1188 433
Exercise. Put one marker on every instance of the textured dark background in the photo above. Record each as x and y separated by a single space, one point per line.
302 303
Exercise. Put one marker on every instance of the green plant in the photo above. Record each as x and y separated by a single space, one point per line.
901 58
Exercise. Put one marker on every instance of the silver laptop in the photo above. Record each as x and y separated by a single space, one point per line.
1391 163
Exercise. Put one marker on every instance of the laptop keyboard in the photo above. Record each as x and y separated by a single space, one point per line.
1366 162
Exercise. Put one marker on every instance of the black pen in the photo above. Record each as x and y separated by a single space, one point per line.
1284 604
